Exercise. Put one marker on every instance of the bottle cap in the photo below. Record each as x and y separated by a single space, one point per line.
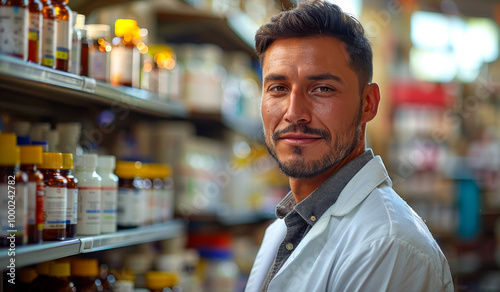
85 267
67 161
86 161
51 160
128 169
23 140
43 268
156 280
124 26
31 154
9 155
44 144
59 269
106 162
8 139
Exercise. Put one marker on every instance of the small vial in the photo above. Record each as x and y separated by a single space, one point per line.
14 24
13 194
100 52
130 194
49 40
59 281
86 44
42 269
26 278
89 195
56 195
31 157
125 56
85 275
63 48
109 192
76 46
35 33
72 201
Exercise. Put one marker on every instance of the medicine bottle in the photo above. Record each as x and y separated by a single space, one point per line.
42 269
86 45
49 34
130 195
125 56
64 21
89 195
150 206
85 275
168 193
35 31
13 194
76 46
59 273
72 200
109 192
100 52
31 157
14 28
26 278
56 194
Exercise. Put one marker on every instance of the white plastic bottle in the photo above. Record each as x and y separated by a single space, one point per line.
89 195
105 167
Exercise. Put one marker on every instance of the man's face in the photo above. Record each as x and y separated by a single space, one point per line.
311 105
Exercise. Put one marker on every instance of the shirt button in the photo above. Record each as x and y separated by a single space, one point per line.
289 246
313 218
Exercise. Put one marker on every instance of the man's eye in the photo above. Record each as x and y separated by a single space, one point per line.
324 89
277 88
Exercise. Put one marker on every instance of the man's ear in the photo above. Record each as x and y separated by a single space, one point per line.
371 100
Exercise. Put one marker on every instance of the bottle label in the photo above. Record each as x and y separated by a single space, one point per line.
109 205
55 207
130 205
13 210
49 42
40 198
72 207
98 65
32 196
63 39
124 61
89 209
14 24
35 27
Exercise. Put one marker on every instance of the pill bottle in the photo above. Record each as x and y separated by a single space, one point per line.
13 194
14 28
59 273
86 44
85 275
125 56
64 21
76 45
99 52
89 195
31 158
43 144
56 194
167 190
130 195
150 208
109 192
49 34
26 278
35 31
42 269
72 200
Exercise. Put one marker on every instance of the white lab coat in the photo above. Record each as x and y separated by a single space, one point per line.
369 240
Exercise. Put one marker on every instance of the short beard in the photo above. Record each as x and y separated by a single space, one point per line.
299 168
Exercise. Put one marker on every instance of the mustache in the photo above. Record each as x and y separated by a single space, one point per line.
302 128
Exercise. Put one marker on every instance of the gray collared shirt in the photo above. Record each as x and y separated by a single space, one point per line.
300 218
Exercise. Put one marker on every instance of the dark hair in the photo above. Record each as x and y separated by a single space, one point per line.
320 18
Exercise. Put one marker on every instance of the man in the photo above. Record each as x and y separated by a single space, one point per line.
342 227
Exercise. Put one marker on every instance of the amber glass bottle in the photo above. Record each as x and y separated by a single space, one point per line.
72 201
64 29
85 275
31 157
55 197
35 31
49 34
59 278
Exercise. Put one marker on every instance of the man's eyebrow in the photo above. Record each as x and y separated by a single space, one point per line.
274 77
326 76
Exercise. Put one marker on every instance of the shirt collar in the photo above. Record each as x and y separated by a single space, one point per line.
316 204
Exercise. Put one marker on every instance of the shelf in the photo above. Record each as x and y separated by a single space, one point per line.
249 128
32 254
19 78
